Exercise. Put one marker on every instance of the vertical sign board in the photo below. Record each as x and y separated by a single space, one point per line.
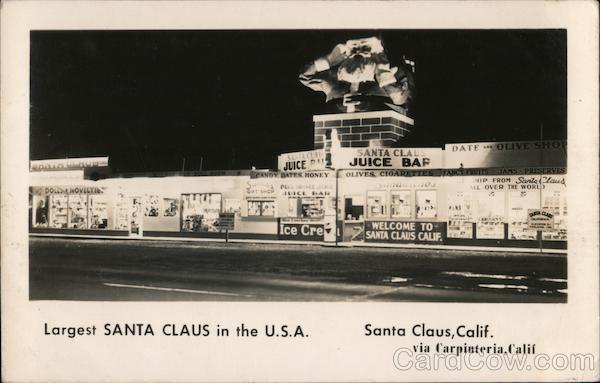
404 232
540 219
226 221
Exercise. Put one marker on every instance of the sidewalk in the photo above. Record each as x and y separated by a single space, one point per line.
473 249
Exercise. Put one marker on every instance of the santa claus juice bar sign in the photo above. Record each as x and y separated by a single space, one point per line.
387 158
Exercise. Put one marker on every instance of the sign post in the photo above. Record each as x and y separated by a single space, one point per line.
540 220
227 222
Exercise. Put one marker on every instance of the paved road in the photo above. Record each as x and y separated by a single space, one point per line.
142 270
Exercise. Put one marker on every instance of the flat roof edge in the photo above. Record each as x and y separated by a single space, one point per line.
377 113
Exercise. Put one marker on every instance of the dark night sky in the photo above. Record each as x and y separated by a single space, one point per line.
149 98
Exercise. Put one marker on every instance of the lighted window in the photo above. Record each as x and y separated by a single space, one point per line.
98 212
78 211
200 212
261 208
376 204
152 206
170 207
354 207
312 207
58 211
401 204
426 204
40 215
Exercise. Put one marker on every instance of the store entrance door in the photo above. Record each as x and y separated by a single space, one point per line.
353 230
135 229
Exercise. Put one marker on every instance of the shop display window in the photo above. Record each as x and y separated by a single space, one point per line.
78 211
261 208
232 205
200 212
376 204
59 211
268 208
152 206
98 212
136 215
426 204
354 207
490 215
121 212
555 201
311 207
40 214
400 204
518 204
293 207
170 207
460 215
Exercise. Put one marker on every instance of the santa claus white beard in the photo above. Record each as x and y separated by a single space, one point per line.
359 72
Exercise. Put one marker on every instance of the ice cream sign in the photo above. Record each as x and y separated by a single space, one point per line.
387 158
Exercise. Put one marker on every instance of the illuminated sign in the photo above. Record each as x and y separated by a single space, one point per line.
41 190
68 164
551 153
300 161
301 231
404 232
387 158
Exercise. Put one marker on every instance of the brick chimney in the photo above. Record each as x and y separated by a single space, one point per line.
362 129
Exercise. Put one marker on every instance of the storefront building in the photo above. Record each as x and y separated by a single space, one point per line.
465 194
359 186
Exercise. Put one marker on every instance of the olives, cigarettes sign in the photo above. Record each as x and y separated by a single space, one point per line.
404 232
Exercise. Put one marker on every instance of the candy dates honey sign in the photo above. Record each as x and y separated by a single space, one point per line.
404 232
540 219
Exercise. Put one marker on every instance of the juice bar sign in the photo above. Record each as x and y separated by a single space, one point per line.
300 161
404 232
301 231
387 158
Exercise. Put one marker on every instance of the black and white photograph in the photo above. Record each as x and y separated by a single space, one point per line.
299 191
298 165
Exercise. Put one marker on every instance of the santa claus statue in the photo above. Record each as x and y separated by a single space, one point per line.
357 76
